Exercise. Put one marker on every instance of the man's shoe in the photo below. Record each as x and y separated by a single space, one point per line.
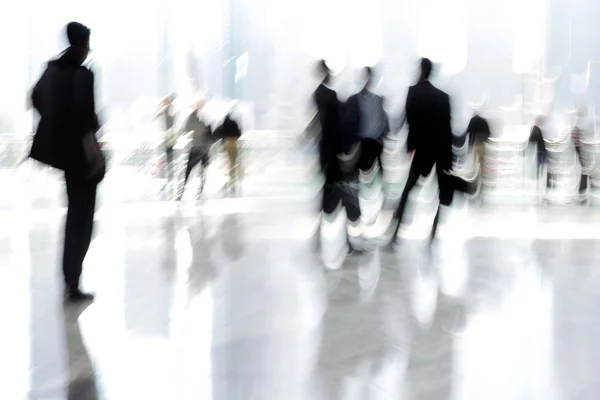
79 296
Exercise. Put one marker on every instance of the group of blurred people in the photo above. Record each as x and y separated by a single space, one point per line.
351 143
580 133
353 132
203 137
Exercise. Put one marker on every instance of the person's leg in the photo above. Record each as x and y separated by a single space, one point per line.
583 180
379 151
413 178
194 158
349 197
446 194
204 158
78 232
369 154
480 152
169 162
231 149
331 198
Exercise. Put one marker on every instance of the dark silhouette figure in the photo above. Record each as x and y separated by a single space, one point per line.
202 141
430 140
230 132
65 139
583 130
331 150
536 137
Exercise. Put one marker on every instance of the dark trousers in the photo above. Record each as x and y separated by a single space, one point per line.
170 154
446 193
334 192
78 228
196 156
583 180
370 153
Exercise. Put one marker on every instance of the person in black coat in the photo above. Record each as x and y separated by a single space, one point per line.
65 139
230 132
429 139
335 141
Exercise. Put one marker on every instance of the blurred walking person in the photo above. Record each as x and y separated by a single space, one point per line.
229 132
430 140
536 137
167 112
337 165
582 132
202 141
373 124
66 139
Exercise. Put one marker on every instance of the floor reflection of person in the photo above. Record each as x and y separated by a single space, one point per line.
166 112
430 140
230 132
364 331
82 378
66 139
202 141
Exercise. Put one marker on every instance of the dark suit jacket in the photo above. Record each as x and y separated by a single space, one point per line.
64 98
430 133
330 144
349 123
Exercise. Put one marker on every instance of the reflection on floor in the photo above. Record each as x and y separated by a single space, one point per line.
228 301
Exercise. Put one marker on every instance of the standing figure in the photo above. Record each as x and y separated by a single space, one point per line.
65 139
583 129
430 140
202 141
168 114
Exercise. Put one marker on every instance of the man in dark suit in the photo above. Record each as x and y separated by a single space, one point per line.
65 139
337 165
430 141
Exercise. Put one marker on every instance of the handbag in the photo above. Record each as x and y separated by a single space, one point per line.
95 159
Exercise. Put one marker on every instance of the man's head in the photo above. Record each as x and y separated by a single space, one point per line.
540 119
323 70
426 68
79 37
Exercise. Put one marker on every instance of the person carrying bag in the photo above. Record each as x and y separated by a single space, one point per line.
66 139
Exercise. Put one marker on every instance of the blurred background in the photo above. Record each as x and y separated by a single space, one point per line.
509 60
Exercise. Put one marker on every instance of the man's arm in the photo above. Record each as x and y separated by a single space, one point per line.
411 140
447 137
37 93
89 102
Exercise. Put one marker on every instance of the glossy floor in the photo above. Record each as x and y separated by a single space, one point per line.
228 301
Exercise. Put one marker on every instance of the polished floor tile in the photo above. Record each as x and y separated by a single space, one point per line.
228 300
